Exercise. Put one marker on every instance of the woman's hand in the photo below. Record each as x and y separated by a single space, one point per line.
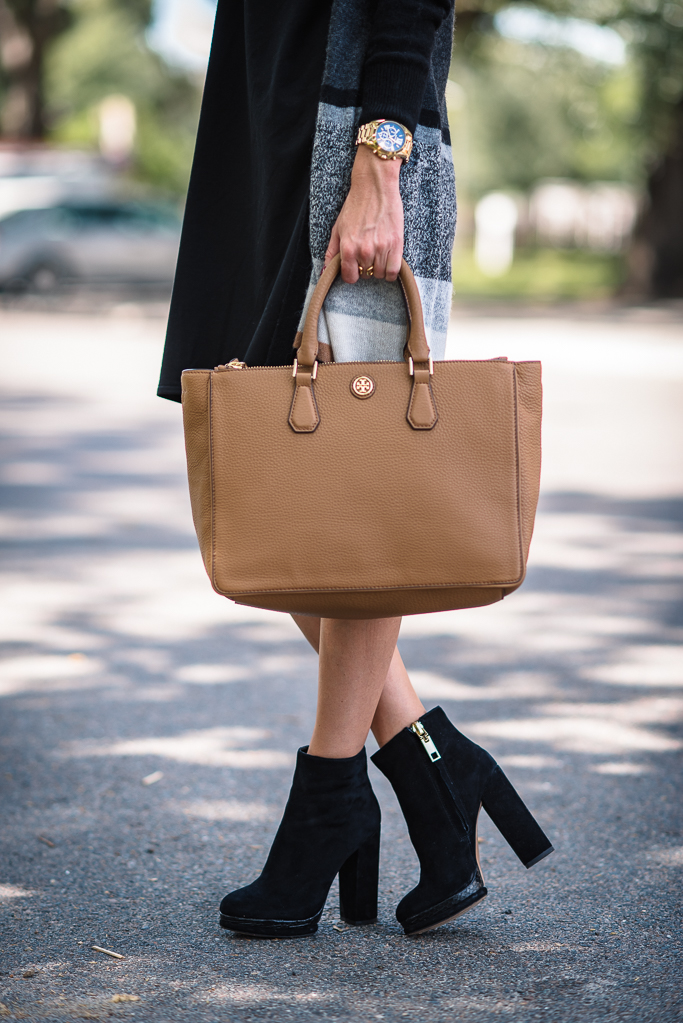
369 230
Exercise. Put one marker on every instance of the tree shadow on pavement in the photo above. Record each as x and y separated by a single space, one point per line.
148 730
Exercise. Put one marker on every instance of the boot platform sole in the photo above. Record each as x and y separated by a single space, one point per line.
271 928
280 928
420 926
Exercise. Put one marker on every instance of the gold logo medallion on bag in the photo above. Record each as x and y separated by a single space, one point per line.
362 387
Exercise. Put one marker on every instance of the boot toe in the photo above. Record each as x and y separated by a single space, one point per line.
421 910
250 911
243 902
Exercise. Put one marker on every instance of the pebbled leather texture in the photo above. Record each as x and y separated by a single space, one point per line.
414 520
196 390
421 499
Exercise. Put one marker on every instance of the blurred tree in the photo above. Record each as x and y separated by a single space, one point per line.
27 27
654 32
59 59
655 28
579 124
105 53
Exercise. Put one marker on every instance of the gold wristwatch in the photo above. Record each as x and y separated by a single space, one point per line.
388 139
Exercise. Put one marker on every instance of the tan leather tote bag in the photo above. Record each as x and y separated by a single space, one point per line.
364 490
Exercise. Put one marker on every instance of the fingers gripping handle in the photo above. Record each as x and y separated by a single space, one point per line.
416 345
422 415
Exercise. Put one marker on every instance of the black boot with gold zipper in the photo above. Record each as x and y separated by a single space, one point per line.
442 779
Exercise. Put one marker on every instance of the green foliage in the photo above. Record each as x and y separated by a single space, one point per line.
533 111
164 152
653 30
541 275
105 52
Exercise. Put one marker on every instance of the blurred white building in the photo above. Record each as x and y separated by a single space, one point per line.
597 216
556 214
495 219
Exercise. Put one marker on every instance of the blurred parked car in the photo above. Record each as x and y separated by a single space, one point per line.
130 242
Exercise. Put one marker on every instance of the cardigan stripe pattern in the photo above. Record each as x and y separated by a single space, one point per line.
367 321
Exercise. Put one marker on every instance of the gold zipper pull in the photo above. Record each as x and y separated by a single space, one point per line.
423 735
233 364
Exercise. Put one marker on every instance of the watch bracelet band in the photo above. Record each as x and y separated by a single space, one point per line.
366 137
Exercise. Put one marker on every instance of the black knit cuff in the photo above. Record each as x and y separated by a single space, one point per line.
393 88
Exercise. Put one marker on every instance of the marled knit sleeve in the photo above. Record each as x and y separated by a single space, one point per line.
398 58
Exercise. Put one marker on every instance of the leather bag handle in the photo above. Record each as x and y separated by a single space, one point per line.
422 415
416 347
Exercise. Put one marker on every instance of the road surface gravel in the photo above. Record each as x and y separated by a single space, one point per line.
148 726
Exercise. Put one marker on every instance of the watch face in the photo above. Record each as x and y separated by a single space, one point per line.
390 136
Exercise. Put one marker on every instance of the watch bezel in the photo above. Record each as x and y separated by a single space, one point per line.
382 149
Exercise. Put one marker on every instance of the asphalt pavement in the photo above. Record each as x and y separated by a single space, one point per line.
148 726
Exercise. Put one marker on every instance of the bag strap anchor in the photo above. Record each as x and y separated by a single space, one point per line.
304 416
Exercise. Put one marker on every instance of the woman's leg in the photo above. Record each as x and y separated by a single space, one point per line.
354 659
397 704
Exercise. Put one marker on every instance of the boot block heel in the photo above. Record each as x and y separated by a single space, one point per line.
518 827
358 883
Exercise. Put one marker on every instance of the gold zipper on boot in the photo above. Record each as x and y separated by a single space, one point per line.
423 735
432 752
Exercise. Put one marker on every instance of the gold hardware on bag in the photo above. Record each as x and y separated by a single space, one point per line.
423 735
411 366
314 372
362 387
303 412
233 364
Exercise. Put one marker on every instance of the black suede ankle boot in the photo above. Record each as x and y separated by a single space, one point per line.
442 779
330 826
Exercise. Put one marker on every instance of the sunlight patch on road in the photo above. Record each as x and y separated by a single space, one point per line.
14 891
642 666
591 727
514 685
534 621
27 473
591 543
529 762
210 747
162 595
225 810
20 674
541 946
165 508
261 992
148 595
210 674
621 767
671 857
648 710
51 527
35 606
